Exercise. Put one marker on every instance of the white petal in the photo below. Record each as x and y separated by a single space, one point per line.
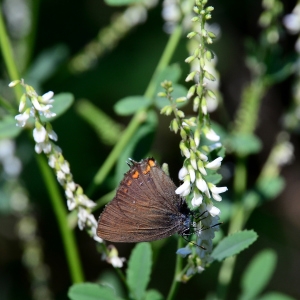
201 184
38 148
192 174
182 173
212 136
47 96
215 164
214 211
183 252
218 190
197 200
40 134
217 197
52 135
183 187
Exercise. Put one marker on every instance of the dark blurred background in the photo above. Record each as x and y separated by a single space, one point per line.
126 70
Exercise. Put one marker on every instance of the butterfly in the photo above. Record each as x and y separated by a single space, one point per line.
145 208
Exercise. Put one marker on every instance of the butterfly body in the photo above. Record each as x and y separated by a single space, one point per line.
145 208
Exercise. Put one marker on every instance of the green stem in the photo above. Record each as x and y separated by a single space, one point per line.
139 116
61 214
8 58
236 224
178 269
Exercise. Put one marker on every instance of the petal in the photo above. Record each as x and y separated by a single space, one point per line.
214 211
182 173
40 134
215 164
47 96
218 190
212 136
183 187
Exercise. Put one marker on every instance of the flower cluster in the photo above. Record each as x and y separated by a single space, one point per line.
35 106
199 145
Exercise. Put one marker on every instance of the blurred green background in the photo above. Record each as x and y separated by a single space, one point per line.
64 28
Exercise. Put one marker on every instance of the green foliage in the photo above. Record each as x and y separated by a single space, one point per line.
62 103
129 105
121 2
243 144
91 291
8 128
108 130
153 295
275 296
271 187
234 244
257 274
139 269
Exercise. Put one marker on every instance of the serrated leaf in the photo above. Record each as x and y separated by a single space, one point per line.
257 274
153 295
121 2
129 105
139 269
275 296
234 244
61 104
243 144
271 187
8 128
91 291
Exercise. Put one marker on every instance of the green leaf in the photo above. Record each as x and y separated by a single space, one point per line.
121 2
258 273
107 129
153 295
234 244
213 178
61 104
139 269
91 291
243 144
275 296
8 128
129 105
170 73
271 187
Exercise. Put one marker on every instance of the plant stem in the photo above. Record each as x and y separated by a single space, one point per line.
61 214
178 268
8 58
140 116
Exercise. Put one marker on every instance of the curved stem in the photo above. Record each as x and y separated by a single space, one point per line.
139 116
61 214
8 58
178 268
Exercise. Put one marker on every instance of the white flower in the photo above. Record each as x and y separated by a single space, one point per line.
292 23
45 147
52 135
182 173
52 161
211 135
192 173
65 167
71 204
71 186
49 114
197 199
202 186
22 118
38 106
39 134
117 262
214 211
215 164
47 98
184 187
69 193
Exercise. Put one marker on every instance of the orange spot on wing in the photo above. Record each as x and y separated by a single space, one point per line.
147 170
135 175
151 163
129 182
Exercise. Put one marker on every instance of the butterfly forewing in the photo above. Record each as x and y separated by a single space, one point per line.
145 207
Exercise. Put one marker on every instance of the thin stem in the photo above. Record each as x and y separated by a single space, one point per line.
61 214
139 116
8 58
178 269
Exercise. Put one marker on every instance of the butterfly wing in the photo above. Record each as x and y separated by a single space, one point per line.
145 207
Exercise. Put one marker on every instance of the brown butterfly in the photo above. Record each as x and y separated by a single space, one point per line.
145 208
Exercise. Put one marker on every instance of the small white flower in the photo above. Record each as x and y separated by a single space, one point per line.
217 190
22 118
71 186
185 186
201 184
117 262
71 204
97 239
292 23
214 211
52 135
192 173
60 175
47 97
45 147
52 161
182 173
215 164
65 167
49 114
197 199
212 136
202 156
39 134
69 193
